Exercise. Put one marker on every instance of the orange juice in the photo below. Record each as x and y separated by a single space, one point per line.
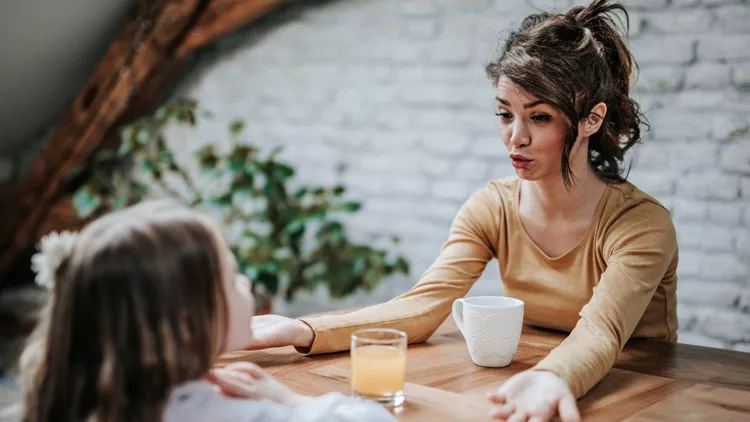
378 370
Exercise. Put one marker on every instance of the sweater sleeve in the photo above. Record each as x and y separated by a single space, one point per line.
419 312
638 248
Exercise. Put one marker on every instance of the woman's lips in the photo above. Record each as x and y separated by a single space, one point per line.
519 161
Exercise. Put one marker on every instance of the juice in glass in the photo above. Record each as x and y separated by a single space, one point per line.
378 365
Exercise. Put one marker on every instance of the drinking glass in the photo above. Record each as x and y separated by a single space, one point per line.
379 365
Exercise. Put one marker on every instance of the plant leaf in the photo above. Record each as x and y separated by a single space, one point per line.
127 133
300 192
125 148
275 152
349 206
143 136
207 158
190 117
85 203
162 114
295 228
236 127
147 166
120 202
283 171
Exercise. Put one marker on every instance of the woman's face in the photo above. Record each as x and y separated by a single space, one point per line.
533 132
240 303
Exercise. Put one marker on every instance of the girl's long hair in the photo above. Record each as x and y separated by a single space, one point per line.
135 311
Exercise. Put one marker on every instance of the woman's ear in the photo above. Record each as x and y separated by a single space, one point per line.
591 123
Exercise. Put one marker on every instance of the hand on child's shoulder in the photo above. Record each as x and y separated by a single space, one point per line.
250 381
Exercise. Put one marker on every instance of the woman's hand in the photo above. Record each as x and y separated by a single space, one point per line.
249 381
279 331
534 396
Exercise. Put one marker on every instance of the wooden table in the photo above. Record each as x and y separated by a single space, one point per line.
652 381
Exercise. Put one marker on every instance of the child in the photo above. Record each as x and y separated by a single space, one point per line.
144 301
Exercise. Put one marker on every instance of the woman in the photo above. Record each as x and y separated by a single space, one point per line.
587 252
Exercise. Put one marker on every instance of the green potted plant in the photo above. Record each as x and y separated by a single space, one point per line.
286 241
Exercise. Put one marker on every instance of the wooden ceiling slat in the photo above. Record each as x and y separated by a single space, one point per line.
222 17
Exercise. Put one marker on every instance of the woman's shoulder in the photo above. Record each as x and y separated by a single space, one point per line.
505 188
628 197
492 201
629 210
497 192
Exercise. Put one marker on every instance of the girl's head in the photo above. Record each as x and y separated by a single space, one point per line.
146 300
563 94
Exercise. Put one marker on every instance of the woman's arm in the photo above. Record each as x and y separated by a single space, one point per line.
639 248
471 244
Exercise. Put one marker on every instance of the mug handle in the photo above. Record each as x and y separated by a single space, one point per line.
458 314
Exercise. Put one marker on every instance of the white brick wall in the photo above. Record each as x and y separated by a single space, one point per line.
396 89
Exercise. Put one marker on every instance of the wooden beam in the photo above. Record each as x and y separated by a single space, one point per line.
147 56
222 17
153 33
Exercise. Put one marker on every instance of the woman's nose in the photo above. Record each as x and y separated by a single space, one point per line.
519 136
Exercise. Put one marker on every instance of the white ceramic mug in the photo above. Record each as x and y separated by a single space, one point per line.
491 326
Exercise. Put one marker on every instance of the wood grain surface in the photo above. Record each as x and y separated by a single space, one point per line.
651 381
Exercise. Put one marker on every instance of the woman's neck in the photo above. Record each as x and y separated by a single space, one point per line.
553 199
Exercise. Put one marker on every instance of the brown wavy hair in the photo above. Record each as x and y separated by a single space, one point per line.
573 61
135 311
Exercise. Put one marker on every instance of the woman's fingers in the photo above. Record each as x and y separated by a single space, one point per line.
497 397
542 411
517 417
211 377
568 409
502 412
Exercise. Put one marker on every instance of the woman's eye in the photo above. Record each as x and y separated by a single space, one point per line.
542 118
504 115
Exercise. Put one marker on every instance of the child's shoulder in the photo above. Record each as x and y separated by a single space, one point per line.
197 401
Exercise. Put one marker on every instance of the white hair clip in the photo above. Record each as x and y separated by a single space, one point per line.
53 249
